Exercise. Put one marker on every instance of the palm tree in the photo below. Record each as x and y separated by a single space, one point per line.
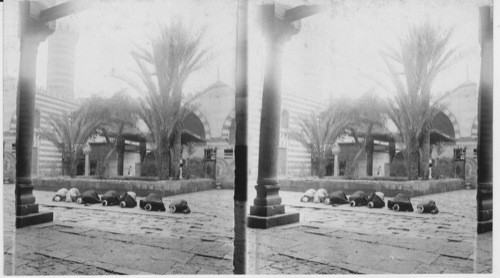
69 133
412 69
119 114
318 133
364 114
176 52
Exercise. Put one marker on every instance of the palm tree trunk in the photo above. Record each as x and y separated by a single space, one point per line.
163 158
413 158
175 155
321 166
73 165
425 151
65 166
120 147
369 145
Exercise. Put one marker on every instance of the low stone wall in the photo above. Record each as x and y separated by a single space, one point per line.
142 188
389 188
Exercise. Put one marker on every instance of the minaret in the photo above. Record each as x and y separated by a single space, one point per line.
61 62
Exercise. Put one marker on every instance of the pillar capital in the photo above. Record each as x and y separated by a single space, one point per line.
276 27
31 29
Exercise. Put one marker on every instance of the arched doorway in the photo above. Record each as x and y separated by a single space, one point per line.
443 123
194 125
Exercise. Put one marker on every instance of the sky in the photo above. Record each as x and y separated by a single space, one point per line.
336 53
110 30
343 43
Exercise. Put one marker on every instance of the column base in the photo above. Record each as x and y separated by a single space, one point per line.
267 210
33 219
265 222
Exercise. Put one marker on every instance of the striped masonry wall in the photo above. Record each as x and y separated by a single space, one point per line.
47 158
61 61
297 158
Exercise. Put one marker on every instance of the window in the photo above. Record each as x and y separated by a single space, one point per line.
459 153
228 153
210 154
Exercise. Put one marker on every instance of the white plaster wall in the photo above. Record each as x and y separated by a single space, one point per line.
379 159
462 102
215 105
130 159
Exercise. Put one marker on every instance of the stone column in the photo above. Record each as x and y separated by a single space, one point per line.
336 165
120 149
336 152
485 126
142 151
31 33
240 148
86 151
369 155
392 150
267 210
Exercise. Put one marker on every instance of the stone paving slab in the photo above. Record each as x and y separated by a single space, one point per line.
456 219
327 240
343 239
97 240
107 257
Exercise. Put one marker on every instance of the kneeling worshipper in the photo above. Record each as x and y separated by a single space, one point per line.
60 195
336 198
400 203
128 200
427 206
320 196
179 206
72 195
110 198
152 202
358 199
89 197
376 200
308 196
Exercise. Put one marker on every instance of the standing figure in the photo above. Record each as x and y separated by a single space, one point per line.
430 168
180 169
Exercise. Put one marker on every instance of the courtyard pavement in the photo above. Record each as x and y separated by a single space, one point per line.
97 240
359 240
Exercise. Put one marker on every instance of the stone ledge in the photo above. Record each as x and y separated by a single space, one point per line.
390 188
33 219
142 188
261 222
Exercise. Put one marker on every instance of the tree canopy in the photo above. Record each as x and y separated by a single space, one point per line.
70 132
412 69
175 53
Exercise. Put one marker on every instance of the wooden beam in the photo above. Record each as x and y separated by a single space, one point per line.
62 10
303 11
